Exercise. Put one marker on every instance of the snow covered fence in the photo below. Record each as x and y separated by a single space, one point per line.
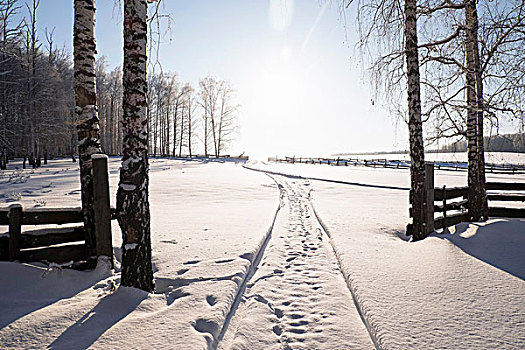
53 243
508 192
494 168
455 200
384 163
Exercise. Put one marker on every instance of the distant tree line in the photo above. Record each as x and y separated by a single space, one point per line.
496 143
37 101
36 90
182 119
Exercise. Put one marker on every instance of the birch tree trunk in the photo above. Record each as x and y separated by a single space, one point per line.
175 119
417 154
206 132
132 196
474 91
479 114
189 127
181 132
88 129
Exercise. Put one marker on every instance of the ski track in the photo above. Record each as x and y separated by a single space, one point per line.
297 298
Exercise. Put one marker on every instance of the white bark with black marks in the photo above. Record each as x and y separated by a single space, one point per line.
133 211
417 155
86 108
474 91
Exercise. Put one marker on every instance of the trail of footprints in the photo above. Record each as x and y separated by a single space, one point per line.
297 289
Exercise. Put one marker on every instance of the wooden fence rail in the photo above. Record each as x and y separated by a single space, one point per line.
397 164
60 244
459 205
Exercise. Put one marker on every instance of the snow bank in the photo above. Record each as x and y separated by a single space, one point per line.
209 220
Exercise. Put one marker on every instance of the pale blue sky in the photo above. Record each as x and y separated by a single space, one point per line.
300 87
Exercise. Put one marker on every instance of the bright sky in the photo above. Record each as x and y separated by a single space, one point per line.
300 88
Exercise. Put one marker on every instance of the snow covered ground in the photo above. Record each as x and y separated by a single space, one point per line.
463 290
316 259
208 222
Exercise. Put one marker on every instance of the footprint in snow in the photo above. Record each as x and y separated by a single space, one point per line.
182 271
211 300
191 262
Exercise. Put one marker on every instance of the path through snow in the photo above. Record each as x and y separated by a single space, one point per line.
298 298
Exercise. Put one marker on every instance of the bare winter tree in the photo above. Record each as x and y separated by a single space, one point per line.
36 89
109 96
219 113
32 47
133 211
226 124
208 96
189 120
186 122
9 37
477 79
395 68
456 62
477 196
86 108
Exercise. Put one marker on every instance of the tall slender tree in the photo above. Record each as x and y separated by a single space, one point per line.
474 90
88 130
417 154
132 195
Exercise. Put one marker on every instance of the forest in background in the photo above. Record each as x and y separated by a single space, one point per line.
495 143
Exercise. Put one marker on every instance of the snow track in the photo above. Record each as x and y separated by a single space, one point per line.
297 298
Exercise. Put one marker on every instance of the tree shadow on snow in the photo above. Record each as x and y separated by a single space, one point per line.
500 243
109 311
25 288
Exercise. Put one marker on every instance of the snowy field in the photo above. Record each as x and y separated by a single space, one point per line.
273 256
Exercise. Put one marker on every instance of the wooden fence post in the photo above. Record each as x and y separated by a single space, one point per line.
429 194
444 203
104 244
15 230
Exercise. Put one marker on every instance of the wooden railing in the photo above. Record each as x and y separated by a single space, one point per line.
397 164
451 203
62 244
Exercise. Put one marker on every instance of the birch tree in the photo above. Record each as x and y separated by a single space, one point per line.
216 101
208 96
415 128
84 49
133 212
468 61
417 160
474 94
189 119
226 124
395 68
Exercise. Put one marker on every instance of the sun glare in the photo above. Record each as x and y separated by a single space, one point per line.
281 82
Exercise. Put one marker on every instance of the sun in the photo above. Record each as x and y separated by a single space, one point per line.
281 82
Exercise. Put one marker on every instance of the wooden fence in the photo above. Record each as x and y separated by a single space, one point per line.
451 203
62 244
399 164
